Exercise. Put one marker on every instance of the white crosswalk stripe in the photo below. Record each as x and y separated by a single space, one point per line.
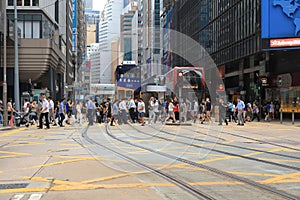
35 197
27 196
17 197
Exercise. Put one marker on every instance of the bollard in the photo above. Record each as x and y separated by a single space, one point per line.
280 116
293 117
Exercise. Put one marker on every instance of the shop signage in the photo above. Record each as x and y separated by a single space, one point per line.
285 42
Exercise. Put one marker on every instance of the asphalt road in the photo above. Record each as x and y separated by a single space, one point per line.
151 162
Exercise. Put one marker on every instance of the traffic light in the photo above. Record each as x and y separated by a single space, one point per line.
258 87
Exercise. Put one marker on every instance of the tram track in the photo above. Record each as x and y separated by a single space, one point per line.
227 145
257 140
208 168
181 184
218 151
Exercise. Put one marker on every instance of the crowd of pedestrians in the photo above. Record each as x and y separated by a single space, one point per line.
47 112
44 112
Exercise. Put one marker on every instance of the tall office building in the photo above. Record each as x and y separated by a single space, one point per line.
88 4
92 20
127 35
109 31
256 54
79 44
149 39
42 45
93 57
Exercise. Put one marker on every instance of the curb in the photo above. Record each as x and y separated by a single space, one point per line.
6 128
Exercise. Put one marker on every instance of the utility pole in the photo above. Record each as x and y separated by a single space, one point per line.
4 68
16 72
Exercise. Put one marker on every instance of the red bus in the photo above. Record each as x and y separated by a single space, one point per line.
189 81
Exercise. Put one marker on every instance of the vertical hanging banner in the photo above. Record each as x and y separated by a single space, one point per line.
74 26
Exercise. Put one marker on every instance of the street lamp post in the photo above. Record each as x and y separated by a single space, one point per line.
5 117
16 71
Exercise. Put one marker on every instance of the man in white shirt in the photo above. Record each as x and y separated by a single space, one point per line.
142 111
26 106
132 108
44 113
123 110
51 111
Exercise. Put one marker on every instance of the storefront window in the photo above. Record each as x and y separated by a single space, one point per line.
290 99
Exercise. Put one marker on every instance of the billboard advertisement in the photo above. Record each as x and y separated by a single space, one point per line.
280 19
128 76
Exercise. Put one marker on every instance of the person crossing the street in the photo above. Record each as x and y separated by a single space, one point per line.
44 113
240 108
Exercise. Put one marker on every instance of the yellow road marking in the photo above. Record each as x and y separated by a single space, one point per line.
253 174
12 132
280 178
80 186
71 145
29 144
288 181
15 153
228 142
6 157
136 152
62 162
85 185
22 190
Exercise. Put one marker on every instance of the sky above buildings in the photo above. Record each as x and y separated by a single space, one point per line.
99 4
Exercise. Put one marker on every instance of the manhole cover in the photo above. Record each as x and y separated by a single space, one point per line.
13 186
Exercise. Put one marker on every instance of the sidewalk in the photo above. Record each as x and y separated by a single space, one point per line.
6 128
287 122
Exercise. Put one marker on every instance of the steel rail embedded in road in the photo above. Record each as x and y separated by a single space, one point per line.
228 145
258 140
185 186
220 151
217 171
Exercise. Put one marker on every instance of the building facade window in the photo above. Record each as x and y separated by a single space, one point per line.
29 26
35 3
26 2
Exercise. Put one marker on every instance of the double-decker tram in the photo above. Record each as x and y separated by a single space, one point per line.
187 82
128 80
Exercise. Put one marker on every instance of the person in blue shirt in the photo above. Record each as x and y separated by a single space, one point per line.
91 109
62 112
231 111
240 109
